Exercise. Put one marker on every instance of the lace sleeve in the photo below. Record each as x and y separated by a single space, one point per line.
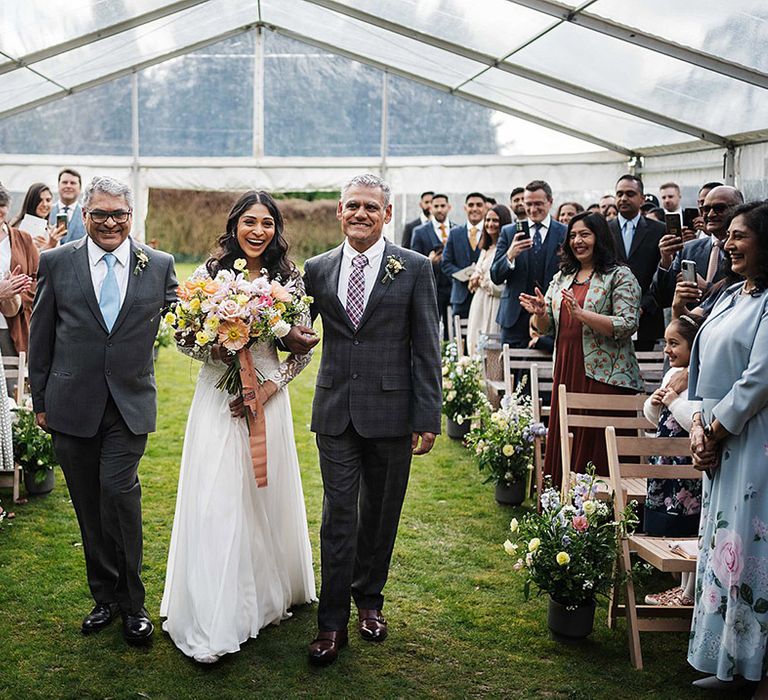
195 351
293 364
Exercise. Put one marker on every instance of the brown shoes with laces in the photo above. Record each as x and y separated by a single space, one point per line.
373 627
325 647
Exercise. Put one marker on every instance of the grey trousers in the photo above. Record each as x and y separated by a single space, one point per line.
103 482
364 484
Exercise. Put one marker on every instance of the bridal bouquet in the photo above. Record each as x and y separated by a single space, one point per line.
235 312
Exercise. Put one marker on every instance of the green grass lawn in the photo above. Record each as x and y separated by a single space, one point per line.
459 626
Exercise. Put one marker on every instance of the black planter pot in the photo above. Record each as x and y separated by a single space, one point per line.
456 431
570 625
37 489
510 494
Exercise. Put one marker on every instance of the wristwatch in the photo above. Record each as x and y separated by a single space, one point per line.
708 431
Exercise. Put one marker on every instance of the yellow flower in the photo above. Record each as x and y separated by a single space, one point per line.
510 548
240 264
212 324
182 323
233 335
280 307
590 507
533 545
194 305
242 299
170 318
508 450
563 558
202 338
513 525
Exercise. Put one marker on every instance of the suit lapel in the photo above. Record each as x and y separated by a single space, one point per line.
333 270
82 267
380 286
134 282
550 247
638 237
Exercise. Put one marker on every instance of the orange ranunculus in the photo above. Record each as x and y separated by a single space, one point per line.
233 335
279 292
206 285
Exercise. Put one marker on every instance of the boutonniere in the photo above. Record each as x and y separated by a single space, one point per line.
142 260
395 266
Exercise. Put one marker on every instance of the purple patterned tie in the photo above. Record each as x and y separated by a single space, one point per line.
356 290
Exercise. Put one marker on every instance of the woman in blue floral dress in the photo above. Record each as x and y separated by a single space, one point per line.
729 440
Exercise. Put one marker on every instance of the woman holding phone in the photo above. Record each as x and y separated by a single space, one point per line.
38 202
593 307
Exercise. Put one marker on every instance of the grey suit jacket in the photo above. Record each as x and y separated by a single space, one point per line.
383 377
74 362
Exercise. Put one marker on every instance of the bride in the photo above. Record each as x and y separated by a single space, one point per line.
240 555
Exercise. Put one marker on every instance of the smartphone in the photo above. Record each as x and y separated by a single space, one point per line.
61 218
688 268
522 227
689 214
674 225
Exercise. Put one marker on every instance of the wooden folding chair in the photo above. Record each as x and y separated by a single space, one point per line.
15 368
521 359
460 326
489 345
577 410
651 363
541 383
654 550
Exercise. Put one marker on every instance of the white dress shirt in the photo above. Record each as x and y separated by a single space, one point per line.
71 210
436 228
544 227
99 268
370 271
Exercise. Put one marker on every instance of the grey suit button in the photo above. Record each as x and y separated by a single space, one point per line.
109 345
355 342
108 372
354 376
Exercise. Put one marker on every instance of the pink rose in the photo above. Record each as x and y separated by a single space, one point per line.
710 599
580 523
229 310
727 559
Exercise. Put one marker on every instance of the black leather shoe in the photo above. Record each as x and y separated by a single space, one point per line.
98 618
373 627
325 647
137 627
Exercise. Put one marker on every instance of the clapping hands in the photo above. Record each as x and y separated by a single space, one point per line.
571 304
534 304
16 283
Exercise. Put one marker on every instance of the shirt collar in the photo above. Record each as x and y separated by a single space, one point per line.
61 205
436 225
545 222
122 252
373 253
424 218
634 221
478 226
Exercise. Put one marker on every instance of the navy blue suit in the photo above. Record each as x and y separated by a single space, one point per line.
457 255
512 318
424 239
664 281
75 228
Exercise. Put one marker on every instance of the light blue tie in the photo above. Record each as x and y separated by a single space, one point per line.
626 234
109 301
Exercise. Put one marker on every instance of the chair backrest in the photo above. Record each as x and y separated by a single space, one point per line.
460 326
619 448
651 365
541 383
579 410
522 359
15 368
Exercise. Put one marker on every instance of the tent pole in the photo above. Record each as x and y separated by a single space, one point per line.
258 93
729 166
384 122
140 210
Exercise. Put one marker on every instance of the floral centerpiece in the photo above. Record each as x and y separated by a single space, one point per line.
569 549
503 440
234 311
462 388
32 448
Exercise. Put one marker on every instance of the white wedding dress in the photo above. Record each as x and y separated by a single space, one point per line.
240 555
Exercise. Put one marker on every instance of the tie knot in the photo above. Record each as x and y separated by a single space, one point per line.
537 227
359 261
110 260
66 208
473 230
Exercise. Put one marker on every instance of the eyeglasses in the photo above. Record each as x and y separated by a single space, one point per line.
119 216
716 208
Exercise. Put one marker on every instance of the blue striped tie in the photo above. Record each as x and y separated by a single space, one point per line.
109 301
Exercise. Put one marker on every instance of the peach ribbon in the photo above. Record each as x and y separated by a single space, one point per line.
254 414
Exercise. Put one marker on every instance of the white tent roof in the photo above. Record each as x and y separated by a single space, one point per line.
634 78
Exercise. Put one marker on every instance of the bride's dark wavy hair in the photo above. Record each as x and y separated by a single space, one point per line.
275 257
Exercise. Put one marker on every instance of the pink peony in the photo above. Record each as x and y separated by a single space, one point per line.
727 559
580 523
229 310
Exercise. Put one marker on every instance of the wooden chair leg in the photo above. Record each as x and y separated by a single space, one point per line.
633 632
16 482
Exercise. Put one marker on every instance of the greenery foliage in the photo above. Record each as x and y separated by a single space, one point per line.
463 393
503 440
32 446
568 550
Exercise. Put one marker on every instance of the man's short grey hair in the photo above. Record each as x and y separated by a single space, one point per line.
371 181
107 185
5 196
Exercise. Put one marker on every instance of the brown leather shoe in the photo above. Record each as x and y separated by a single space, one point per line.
324 648
373 627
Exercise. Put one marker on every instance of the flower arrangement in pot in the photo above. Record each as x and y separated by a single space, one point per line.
568 551
462 390
503 442
33 450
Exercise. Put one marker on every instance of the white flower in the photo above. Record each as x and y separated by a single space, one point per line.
447 384
281 329
508 450
459 419
450 396
533 545
513 525
517 565
741 633
710 599
590 507
510 548
529 560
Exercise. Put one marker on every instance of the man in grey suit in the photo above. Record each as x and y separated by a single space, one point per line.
91 371
377 403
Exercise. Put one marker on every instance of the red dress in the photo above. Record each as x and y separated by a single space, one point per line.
588 444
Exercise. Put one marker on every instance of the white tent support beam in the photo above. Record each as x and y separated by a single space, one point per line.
535 76
87 85
647 41
490 104
384 122
138 206
729 167
258 92
103 33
